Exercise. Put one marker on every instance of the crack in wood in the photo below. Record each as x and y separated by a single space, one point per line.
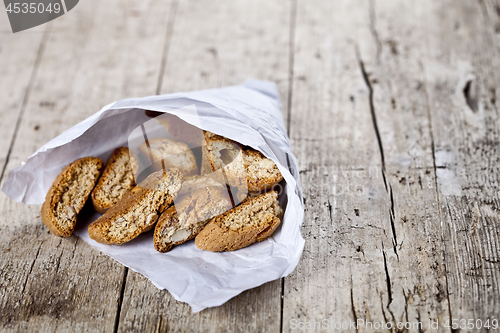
382 307
59 259
387 277
329 205
31 267
120 300
393 227
448 297
373 29
353 309
372 111
166 45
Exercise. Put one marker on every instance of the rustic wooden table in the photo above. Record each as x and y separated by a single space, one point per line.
392 109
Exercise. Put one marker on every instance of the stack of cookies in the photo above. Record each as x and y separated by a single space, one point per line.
225 204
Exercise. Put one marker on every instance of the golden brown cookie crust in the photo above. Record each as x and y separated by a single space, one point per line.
253 221
185 220
68 194
138 210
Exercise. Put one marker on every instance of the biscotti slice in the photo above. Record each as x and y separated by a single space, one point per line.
170 154
68 194
138 210
116 180
262 172
253 221
224 160
239 164
186 218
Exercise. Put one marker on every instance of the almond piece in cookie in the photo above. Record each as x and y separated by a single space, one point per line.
253 221
186 218
171 153
68 194
116 180
138 210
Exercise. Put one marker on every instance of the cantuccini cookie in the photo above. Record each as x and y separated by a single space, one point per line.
262 172
253 221
68 194
223 159
116 180
138 210
184 220
244 167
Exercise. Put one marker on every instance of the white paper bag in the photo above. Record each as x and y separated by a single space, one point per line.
249 114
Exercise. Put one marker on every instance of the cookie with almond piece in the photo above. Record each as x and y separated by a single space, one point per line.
243 167
253 221
138 210
184 220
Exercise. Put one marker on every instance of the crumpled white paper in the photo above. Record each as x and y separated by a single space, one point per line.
249 114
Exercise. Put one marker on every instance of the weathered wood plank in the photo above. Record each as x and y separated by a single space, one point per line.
461 68
48 283
147 309
219 43
380 236
417 273
18 58
213 45
342 274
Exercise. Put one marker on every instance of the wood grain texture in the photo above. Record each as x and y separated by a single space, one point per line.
406 249
61 284
216 44
18 67
221 43
342 275
394 119
416 274
461 69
